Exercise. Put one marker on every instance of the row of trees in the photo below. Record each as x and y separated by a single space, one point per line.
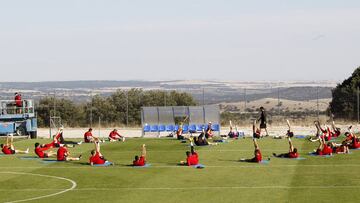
121 108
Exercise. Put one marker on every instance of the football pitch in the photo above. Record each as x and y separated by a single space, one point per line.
224 178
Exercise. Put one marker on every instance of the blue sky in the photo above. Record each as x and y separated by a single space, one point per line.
190 39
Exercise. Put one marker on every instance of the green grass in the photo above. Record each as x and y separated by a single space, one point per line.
316 179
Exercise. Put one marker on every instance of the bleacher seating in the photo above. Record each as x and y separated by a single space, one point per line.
192 128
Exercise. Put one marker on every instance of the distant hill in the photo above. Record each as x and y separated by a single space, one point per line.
214 91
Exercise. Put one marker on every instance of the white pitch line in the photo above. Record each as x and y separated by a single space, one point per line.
199 188
46 176
185 167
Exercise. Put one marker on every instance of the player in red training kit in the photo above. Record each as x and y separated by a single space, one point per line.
293 153
192 158
64 155
40 151
324 149
88 137
96 157
115 136
140 161
257 154
9 148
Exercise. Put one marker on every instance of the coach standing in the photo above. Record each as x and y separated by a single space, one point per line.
263 120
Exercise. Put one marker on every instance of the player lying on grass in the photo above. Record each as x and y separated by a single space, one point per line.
192 158
201 140
59 139
323 149
9 148
96 157
335 132
351 141
321 133
115 136
40 150
256 131
64 155
140 161
292 154
232 133
257 154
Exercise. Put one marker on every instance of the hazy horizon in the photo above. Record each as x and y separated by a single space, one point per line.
79 40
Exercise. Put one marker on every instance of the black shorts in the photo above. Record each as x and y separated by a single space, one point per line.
46 155
12 151
262 125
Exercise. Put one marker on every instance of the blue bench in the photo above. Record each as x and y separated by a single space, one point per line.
170 128
215 127
162 128
147 128
185 128
176 128
199 128
154 128
192 128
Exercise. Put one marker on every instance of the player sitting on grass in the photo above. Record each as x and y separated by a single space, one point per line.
9 148
141 161
40 151
96 157
179 133
257 154
339 148
115 136
192 158
64 155
88 137
209 132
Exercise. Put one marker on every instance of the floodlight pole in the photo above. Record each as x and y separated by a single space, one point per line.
245 100
358 104
279 100
317 102
91 109
99 127
203 96
127 108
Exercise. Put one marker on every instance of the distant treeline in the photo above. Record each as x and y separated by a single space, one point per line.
120 108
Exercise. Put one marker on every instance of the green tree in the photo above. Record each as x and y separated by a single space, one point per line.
71 114
344 97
